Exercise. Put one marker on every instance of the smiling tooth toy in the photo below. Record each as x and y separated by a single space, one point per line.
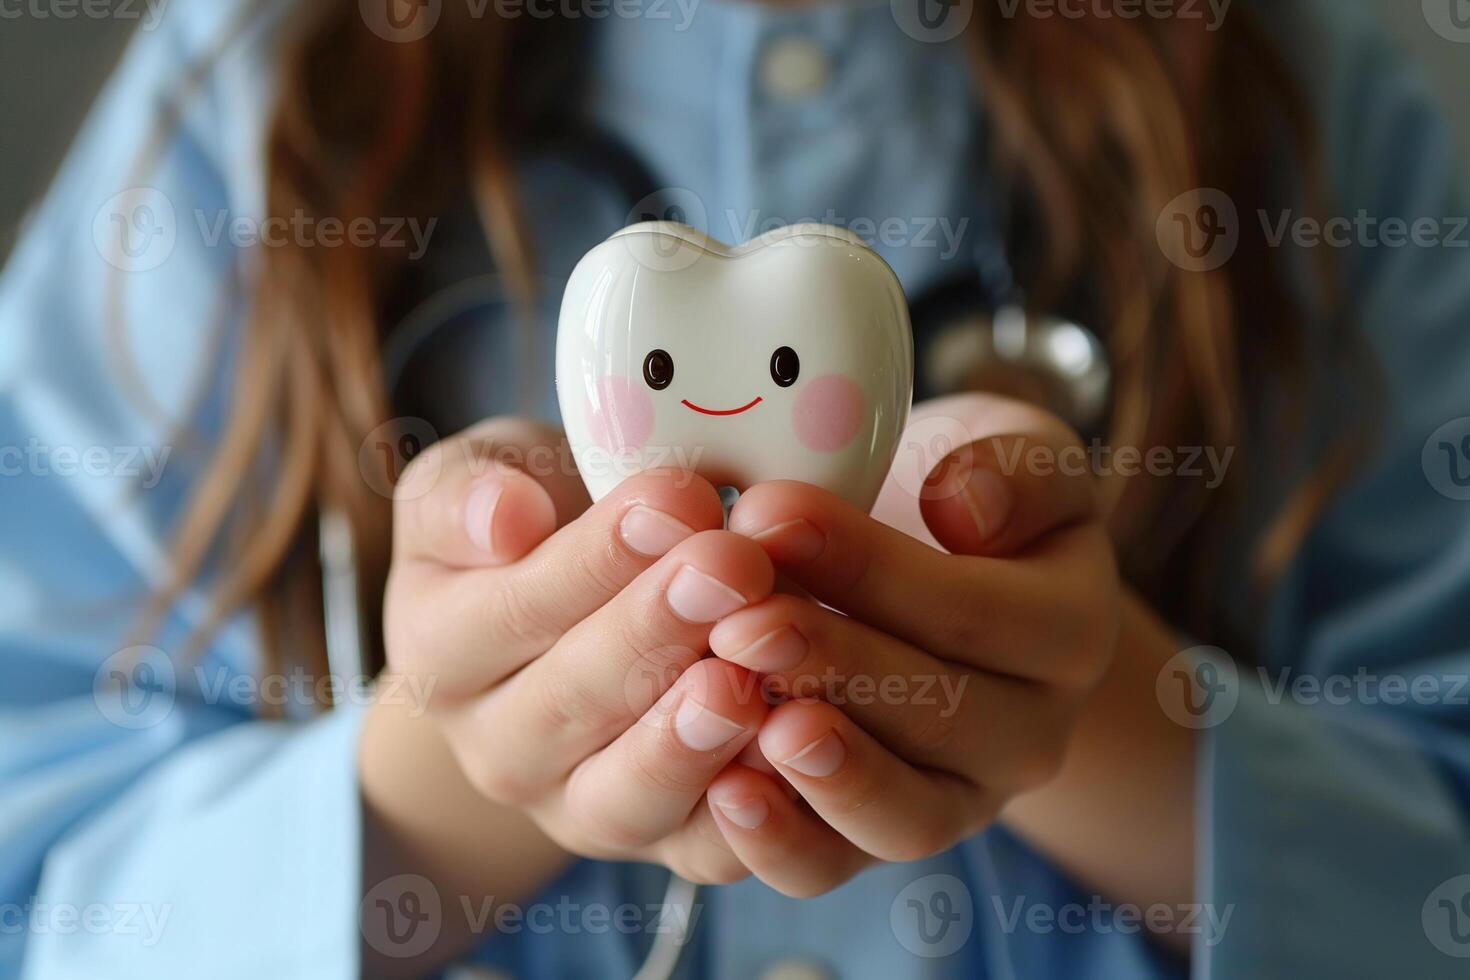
789 357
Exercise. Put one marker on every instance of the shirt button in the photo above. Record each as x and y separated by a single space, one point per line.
795 969
794 68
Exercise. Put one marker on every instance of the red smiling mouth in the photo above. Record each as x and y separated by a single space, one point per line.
728 411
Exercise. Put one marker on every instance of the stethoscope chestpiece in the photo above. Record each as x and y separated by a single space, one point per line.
1049 361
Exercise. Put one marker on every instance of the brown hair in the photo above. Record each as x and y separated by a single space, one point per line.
1098 124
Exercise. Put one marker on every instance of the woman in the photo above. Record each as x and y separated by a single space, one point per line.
228 275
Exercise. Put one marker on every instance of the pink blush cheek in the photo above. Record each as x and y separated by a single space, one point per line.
621 416
828 413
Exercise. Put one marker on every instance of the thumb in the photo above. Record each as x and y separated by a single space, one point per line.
1000 494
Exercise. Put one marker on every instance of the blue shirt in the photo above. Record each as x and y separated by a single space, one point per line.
165 830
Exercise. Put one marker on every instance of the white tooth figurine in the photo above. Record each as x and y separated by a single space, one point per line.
788 358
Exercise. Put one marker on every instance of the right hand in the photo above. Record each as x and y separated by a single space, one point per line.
566 643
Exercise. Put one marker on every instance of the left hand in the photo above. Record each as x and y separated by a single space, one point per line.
952 682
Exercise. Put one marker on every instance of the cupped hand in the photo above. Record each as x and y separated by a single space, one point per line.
567 643
962 630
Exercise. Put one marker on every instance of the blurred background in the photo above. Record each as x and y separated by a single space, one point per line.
50 70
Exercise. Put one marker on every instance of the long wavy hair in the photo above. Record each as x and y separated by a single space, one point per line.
1097 124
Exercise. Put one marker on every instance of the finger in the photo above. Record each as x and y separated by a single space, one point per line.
1018 474
928 712
995 731
613 668
777 839
868 795
991 613
480 626
697 852
464 503
645 785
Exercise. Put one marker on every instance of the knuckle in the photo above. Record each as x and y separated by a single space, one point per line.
654 767
487 775
517 618
961 625
936 733
607 831
566 705
498 784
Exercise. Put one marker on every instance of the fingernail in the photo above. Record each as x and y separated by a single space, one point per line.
988 498
652 533
701 729
748 815
697 598
795 542
821 758
479 511
777 651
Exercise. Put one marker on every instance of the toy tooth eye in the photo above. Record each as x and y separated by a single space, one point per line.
785 366
658 369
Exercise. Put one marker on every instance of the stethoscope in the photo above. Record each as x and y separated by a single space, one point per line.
976 330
